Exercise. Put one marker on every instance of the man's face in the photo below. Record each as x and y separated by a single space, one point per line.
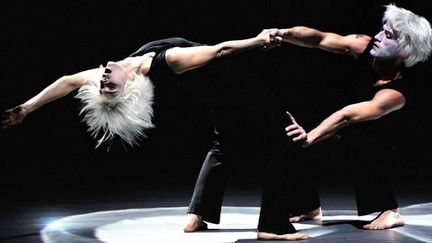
113 80
385 44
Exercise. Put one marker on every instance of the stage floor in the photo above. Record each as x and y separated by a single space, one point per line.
157 215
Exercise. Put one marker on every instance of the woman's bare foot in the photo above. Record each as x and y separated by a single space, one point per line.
386 220
194 223
315 214
271 236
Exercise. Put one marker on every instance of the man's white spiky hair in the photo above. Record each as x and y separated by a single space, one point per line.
126 116
415 33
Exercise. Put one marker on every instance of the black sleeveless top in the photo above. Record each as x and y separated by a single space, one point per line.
160 73
175 97
221 93
388 127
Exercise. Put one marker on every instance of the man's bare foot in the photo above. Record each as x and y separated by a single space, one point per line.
271 236
194 223
386 220
315 214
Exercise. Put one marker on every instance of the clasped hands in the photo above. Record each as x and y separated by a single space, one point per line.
273 38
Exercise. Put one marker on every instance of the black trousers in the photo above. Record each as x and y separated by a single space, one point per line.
210 186
284 193
251 106
372 161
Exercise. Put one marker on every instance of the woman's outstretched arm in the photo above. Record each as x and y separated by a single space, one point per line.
58 89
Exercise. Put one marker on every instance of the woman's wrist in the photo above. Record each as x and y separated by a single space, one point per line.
25 108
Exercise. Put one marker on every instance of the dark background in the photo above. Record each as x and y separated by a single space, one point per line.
52 153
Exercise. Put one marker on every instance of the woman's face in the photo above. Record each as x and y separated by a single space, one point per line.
113 80
385 44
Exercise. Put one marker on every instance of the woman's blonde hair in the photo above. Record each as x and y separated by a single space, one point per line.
126 116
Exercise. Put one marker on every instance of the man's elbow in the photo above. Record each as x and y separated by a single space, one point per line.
355 118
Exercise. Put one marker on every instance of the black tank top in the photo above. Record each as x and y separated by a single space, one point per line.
388 127
160 73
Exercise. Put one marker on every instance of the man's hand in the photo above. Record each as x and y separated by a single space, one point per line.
296 132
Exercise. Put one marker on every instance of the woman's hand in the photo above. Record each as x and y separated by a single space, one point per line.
13 117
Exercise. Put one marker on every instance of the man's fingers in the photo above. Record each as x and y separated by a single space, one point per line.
299 138
291 117
276 41
291 127
295 132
